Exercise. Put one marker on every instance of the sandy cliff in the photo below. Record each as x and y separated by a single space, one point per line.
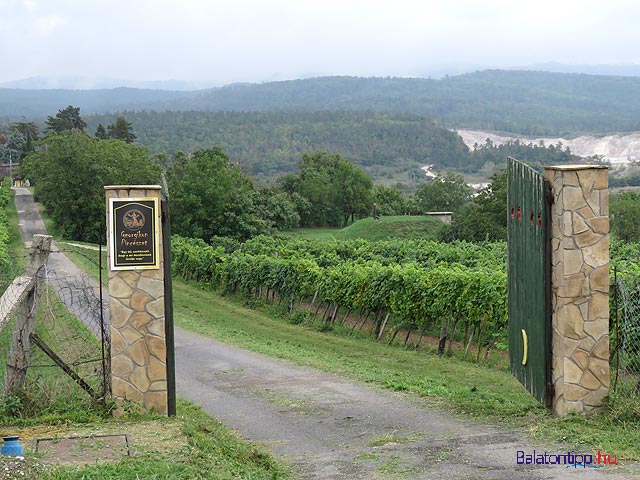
618 149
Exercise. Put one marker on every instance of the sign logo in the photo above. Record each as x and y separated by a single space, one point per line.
133 220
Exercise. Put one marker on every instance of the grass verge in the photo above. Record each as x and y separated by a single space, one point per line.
86 257
190 446
15 246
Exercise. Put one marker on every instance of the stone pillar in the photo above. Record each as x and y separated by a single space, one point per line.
580 287
136 303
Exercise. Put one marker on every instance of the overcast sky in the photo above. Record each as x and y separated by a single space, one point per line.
219 42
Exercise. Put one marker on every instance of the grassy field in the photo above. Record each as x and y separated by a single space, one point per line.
315 233
485 391
404 227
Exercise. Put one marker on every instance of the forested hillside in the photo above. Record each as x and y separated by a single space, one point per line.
523 102
526 102
391 147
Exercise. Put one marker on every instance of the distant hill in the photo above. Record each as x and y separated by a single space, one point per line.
99 83
37 104
523 102
620 69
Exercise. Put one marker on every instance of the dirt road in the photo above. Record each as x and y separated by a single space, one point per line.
327 427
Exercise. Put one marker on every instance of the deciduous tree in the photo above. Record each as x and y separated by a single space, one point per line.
485 218
448 193
334 187
390 200
69 174
210 196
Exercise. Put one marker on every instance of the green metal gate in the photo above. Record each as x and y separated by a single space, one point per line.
529 279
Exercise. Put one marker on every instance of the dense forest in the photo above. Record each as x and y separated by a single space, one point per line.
522 102
212 197
390 147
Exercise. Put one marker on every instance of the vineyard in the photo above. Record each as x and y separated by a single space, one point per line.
456 291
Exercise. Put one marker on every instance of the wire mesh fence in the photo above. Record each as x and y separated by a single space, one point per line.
71 333
73 323
625 337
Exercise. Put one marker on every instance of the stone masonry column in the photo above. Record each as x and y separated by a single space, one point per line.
136 302
580 287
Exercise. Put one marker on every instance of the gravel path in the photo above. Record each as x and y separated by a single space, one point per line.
327 427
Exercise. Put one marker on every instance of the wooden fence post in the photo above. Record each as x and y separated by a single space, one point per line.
18 360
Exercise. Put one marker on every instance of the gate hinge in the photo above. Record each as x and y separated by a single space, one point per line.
549 193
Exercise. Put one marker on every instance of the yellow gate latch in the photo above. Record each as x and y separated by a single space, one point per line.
525 353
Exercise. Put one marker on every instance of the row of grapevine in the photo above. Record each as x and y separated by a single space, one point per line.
427 253
407 295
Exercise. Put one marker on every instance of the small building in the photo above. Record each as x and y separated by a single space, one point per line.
12 171
442 216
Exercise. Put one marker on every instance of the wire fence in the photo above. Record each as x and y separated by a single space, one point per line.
71 331
74 325
625 337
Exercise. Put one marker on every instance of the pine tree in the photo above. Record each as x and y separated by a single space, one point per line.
66 119
101 133
121 130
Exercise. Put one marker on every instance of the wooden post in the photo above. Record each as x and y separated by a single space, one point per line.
18 360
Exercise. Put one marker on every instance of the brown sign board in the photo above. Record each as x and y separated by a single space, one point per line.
134 233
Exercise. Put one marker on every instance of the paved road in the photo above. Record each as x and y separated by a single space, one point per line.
79 293
331 428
